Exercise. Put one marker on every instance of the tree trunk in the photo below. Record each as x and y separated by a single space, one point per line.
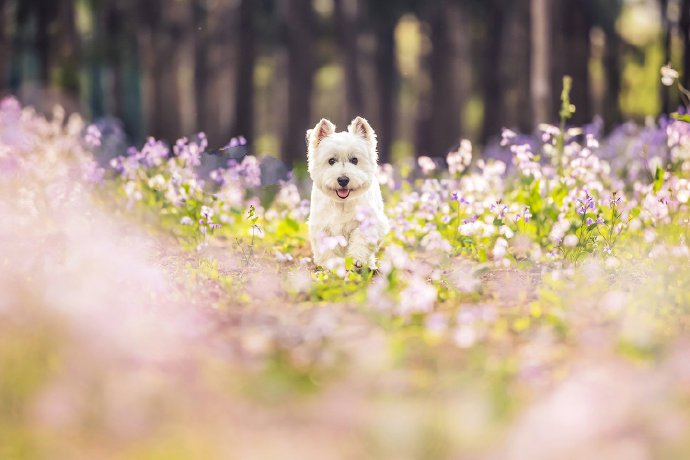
514 67
386 86
164 20
685 32
201 39
68 51
540 87
612 64
116 48
244 84
665 93
96 83
490 73
217 94
4 49
574 51
439 124
45 17
132 72
299 23
346 14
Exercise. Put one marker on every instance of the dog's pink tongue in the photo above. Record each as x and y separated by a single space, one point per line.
343 192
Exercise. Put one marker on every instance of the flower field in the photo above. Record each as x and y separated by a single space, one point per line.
531 301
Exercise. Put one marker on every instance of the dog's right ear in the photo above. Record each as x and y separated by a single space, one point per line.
322 130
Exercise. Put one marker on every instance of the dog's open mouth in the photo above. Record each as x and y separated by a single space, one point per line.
342 193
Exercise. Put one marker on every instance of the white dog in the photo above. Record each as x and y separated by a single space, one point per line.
346 216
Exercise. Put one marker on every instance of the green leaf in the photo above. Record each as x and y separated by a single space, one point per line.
681 117
658 179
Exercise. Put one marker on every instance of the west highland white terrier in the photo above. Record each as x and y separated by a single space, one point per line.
346 216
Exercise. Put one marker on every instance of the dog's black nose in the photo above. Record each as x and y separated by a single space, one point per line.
343 181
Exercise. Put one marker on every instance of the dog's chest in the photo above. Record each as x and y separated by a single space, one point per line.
332 219
340 223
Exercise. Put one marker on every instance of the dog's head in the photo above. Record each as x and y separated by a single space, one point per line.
342 165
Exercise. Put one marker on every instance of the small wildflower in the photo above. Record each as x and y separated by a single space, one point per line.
570 241
668 75
527 215
93 136
426 164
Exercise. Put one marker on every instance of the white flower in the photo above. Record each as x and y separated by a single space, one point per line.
418 297
282 256
337 266
157 182
668 75
570 241
500 248
426 164
461 158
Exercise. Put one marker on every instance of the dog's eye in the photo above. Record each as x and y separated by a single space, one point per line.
353 161
331 161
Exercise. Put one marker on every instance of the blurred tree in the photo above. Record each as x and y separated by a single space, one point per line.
163 21
96 59
67 44
606 14
216 66
244 86
383 18
55 39
540 88
490 75
666 45
201 44
347 15
299 25
514 68
114 49
42 13
5 47
685 37
194 63
439 126
572 21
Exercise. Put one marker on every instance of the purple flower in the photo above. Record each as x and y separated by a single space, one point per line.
93 136
527 214
499 209
235 142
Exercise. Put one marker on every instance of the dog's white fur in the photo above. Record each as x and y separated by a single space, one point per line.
333 216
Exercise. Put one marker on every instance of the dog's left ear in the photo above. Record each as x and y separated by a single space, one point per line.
360 127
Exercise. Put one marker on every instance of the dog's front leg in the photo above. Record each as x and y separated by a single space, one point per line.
321 253
321 257
361 250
